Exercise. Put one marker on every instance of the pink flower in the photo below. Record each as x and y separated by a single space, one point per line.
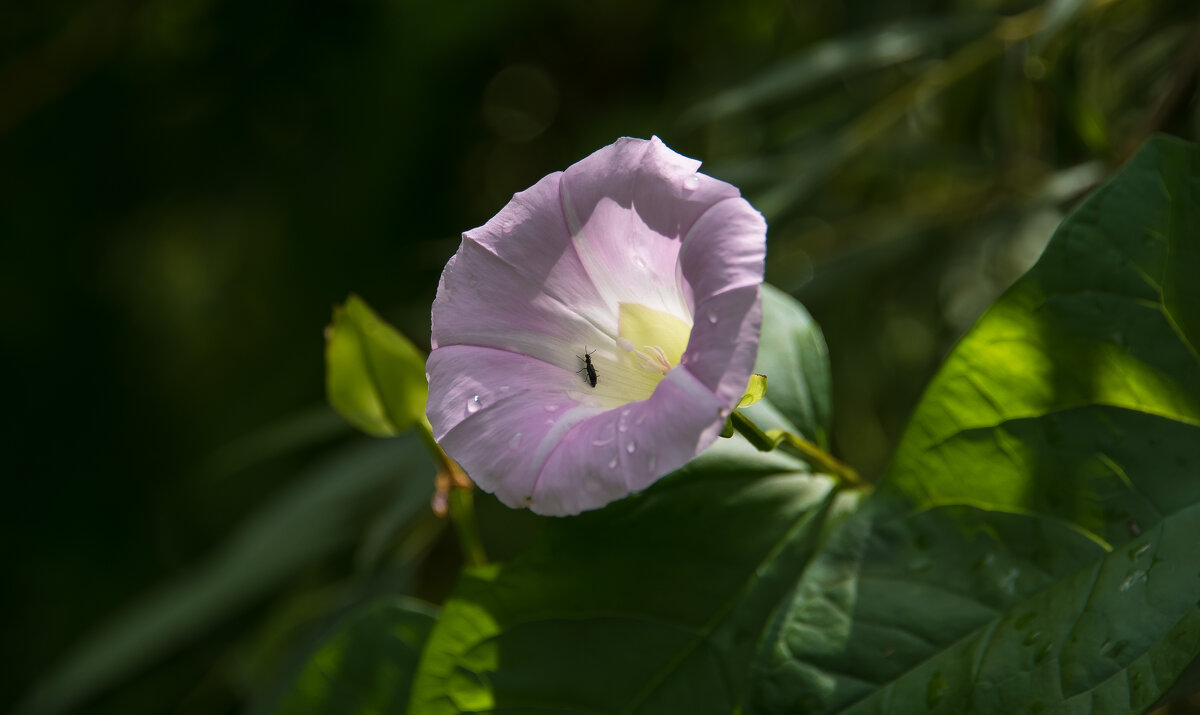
632 259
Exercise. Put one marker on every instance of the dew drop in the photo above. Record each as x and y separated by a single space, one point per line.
551 408
1139 552
612 463
427 378
1032 637
724 412
507 226
712 317
621 426
637 261
691 182
1109 649
1132 578
474 404
631 448
514 441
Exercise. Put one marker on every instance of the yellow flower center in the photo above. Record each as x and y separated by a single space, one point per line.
653 340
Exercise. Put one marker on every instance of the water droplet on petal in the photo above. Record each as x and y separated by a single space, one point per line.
514 441
631 447
551 408
712 317
724 412
612 464
507 226
474 404
505 388
691 182
427 378
621 426
637 261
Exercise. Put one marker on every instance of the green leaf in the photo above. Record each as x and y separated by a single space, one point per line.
1034 547
1061 388
793 356
367 665
756 389
374 376
652 603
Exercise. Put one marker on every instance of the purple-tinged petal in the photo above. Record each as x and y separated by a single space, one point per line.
499 430
723 258
629 257
613 454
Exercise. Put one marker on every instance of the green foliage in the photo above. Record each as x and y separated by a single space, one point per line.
329 508
651 605
366 665
1034 546
375 377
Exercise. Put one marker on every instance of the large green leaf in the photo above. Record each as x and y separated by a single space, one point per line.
374 376
653 604
1034 548
366 665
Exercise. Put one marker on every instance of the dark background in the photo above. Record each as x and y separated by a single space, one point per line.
187 187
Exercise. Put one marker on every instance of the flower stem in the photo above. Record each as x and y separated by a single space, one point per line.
462 513
455 496
820 459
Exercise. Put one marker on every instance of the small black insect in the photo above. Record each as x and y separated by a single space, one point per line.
587 365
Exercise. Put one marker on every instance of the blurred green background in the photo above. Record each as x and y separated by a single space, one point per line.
187 187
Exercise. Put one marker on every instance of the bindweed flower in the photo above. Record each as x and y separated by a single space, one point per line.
595 334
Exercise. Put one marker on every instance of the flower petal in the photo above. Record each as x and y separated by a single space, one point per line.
627 206
515 282
610 455
723 259
500 431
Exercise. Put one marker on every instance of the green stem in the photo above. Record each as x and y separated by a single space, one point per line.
462 513
818 457
461 498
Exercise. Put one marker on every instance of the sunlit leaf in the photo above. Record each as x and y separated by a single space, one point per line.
756 389
374 376
1034 546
